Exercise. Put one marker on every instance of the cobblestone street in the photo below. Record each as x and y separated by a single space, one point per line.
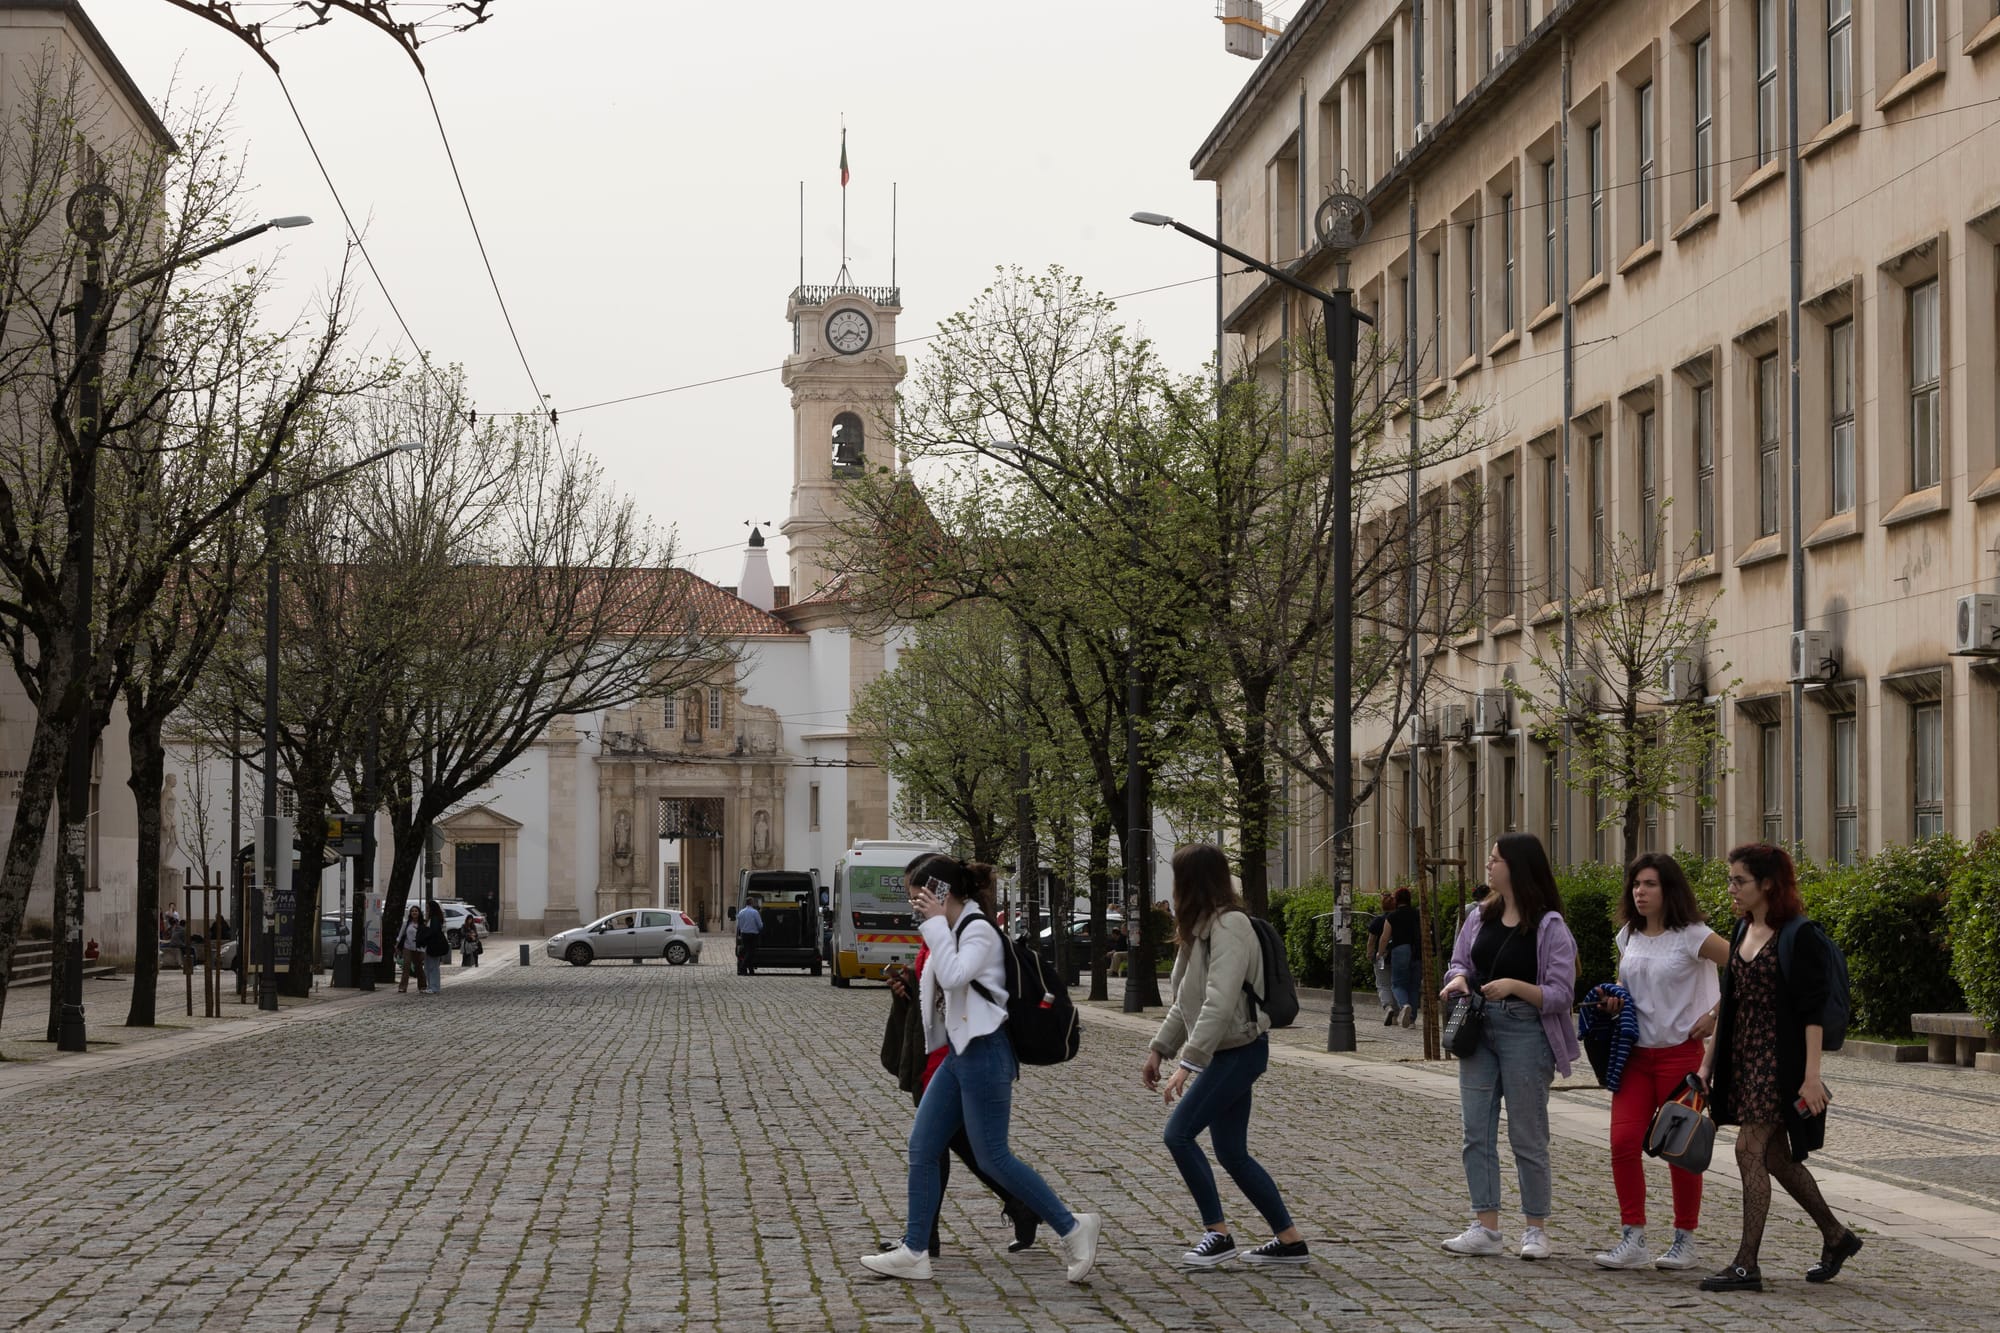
654 1147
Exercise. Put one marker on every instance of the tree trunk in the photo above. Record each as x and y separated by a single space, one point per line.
59 956
149 769
39 781
1100 896
1252 768
310 834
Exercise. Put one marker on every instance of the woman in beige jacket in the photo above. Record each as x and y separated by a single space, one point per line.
1221 1041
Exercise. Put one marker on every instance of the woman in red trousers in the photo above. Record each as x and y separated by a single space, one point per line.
1667 958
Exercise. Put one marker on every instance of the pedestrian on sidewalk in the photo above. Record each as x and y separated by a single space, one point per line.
1667 958
1405 936
469 943
436 944
914 1066
1519 952
411 950
1221 1040
1378 959
963 995
749 929
1762 1069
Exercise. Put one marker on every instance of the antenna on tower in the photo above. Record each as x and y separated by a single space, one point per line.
802 233
892 236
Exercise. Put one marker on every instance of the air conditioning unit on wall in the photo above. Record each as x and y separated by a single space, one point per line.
1491 712
1454 721
1684 675
1976 626
1812 657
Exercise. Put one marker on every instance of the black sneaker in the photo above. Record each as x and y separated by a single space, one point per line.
1215 1248
1278 1252
1734 1278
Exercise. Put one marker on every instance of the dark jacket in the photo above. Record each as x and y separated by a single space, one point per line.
903 1051
1802 996
433 940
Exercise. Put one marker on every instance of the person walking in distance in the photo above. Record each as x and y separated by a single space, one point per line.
1378 960
1404 934
410 951
436 946
915 1068
1219 1038
469 943
1667 958
749 927
963 996
1520 954
1763 1066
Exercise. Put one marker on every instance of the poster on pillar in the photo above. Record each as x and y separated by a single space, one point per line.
371 933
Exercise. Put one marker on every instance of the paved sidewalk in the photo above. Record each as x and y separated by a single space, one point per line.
657 1147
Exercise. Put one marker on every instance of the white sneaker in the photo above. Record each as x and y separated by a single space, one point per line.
1534 1243
1079 1247
902 1262
1409 1015
1477 1240
1680 1254
1630 1252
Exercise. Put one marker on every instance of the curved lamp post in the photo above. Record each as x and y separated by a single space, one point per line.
1341 221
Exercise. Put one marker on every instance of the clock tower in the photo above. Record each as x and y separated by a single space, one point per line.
843 373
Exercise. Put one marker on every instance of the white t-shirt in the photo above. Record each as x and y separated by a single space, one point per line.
1672 985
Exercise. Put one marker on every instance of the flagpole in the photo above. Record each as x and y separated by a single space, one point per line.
802 233
892 235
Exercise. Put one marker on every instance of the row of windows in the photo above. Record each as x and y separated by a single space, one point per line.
1764 790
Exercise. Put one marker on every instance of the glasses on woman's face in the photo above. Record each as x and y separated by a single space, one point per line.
1741 882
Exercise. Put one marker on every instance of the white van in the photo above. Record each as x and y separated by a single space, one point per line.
873 925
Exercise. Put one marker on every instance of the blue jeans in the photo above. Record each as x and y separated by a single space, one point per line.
1513 1064
1218 1100
432 966
1404 970
973 1089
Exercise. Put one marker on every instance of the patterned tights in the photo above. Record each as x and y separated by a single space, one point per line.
1762 1151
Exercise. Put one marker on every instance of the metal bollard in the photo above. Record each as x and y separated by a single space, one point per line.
525 955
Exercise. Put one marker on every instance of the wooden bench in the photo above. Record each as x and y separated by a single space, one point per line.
1955 1039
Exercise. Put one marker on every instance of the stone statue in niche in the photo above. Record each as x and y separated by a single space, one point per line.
621 837
694 709
760 839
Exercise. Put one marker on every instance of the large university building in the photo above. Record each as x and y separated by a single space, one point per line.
1582 219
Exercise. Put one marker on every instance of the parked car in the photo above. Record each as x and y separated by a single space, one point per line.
638 934
1079 934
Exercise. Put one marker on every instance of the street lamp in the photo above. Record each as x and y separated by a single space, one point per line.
95 213
1341 221
276 506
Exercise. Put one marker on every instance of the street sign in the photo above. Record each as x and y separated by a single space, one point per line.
344 833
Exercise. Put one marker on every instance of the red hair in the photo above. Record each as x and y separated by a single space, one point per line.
1772 865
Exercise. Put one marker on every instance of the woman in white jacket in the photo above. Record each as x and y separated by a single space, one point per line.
963 996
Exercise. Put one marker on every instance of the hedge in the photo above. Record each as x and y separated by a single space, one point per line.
1975 926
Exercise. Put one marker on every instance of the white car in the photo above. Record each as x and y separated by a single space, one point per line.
638 934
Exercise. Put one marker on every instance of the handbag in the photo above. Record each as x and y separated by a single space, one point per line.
1683 1132
1466 1024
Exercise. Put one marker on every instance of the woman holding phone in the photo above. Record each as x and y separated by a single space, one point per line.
906 982
963 997
1762 1069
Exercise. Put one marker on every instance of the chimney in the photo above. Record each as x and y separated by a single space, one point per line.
754 585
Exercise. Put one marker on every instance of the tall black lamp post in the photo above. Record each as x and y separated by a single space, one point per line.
1341 222
95 214
277 505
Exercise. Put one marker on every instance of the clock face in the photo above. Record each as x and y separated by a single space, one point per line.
848 331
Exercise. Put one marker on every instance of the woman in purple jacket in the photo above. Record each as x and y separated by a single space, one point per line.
1518 950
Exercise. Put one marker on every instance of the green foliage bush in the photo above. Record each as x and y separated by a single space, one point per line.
1308 942
1975 926
1590 896
1888 915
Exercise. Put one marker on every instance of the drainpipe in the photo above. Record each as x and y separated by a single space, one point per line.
1220 371
1568 411
1794 196
1414 796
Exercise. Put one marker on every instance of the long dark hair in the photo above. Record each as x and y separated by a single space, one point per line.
437 913
1534 883
1203 889
1677 905
967 881
1767 862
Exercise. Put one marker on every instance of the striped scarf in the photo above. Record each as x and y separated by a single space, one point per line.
1613 1034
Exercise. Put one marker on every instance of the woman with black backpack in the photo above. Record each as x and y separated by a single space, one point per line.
436 943
1222 1041
1762 1069
963 997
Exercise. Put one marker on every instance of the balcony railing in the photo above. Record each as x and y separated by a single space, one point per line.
882 296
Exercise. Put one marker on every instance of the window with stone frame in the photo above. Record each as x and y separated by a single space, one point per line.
667 712
1839 58
1927 769
715 710
1767 111
1552 796
1597 471
1919 33
1840 417
1844 746
1648 451
1552 508
1771 781
1768 416
1506 580
1926 376
1702 130
1647 152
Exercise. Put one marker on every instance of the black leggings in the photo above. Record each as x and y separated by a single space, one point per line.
1017 1212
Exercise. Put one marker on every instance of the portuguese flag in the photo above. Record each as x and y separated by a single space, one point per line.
843 159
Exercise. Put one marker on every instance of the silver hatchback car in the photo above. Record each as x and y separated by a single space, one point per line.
638 934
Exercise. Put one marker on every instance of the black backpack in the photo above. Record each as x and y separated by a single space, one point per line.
1280 1000
1041 1020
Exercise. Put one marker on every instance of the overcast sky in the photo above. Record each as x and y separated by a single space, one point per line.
634 166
